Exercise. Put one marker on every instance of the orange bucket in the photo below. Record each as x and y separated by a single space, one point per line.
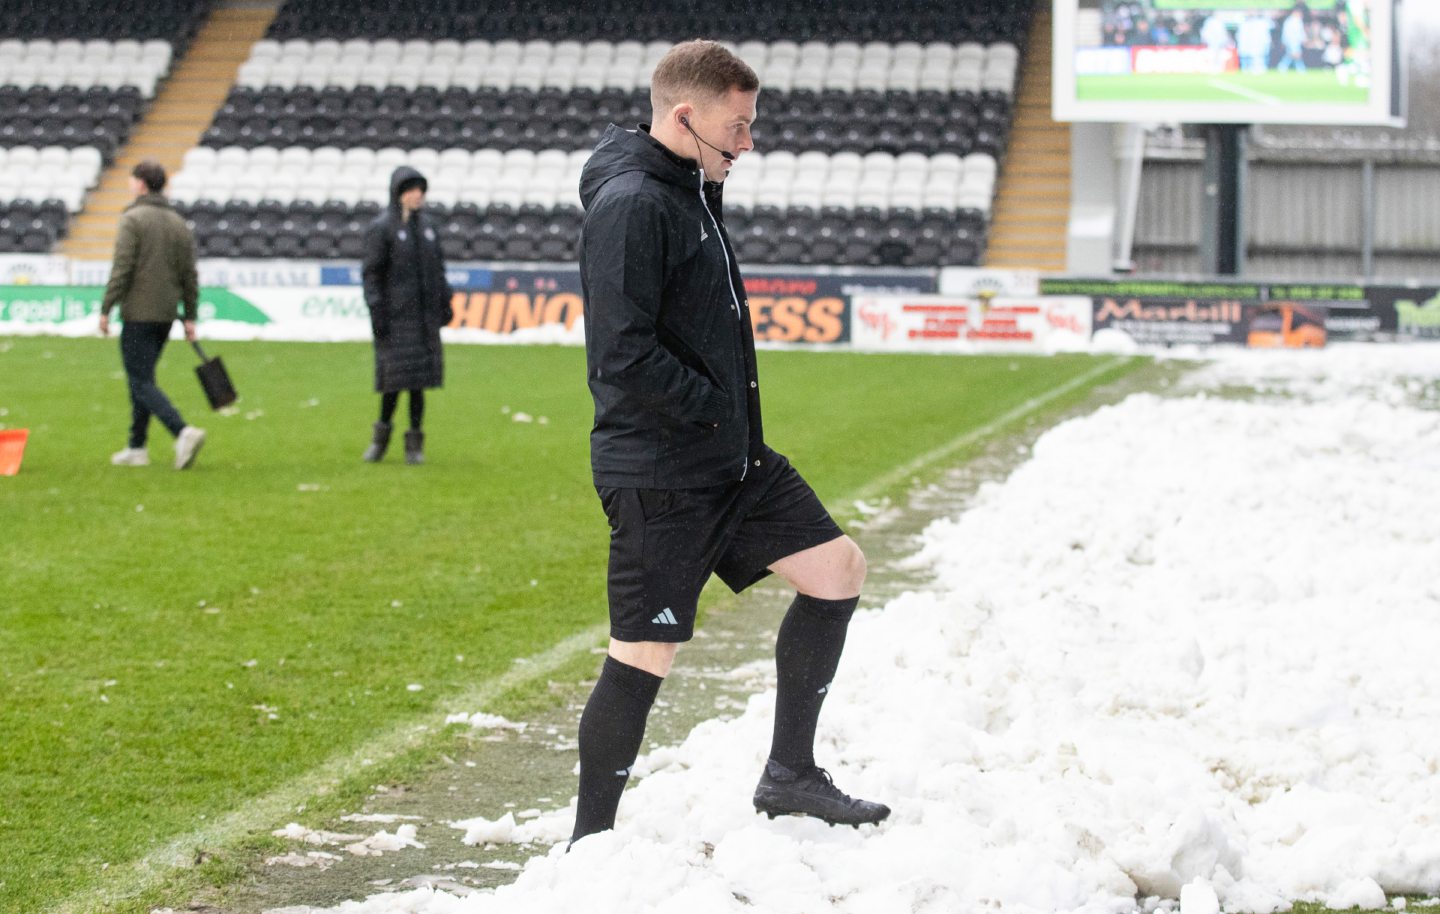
12 448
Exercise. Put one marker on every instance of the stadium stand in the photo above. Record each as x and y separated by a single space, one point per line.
1029 222
172 21
648 20
75 77
879 141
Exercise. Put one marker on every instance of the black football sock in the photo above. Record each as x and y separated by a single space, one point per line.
807 652
417 409
611 729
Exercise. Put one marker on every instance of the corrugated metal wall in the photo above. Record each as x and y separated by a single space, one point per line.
1304 220
1407 204
1304 208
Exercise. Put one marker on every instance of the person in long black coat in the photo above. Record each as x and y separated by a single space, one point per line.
409 301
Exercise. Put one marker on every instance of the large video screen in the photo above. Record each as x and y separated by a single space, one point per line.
1228 61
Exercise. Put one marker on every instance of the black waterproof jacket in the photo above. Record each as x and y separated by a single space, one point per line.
399 285
669 347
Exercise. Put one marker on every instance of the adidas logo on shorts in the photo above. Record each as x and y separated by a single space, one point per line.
666 617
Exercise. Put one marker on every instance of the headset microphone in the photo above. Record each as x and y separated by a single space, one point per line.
727 156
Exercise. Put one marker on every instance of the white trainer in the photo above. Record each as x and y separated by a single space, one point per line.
187 445
131 457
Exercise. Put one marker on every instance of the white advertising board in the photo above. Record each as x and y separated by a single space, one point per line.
939 323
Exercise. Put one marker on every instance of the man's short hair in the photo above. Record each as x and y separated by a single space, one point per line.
152 173
698 71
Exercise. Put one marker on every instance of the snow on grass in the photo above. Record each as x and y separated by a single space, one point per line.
381 818
483 721
1185 652
297 832
382 841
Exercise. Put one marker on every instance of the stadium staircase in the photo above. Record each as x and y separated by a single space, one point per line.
181 112
1032 207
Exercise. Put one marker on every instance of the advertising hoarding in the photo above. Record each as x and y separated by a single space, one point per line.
984 324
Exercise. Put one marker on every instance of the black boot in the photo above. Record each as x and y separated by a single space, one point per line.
782 792
378 444
414 447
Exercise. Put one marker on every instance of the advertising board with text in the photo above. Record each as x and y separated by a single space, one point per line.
935 323
1166 313
1413 312
33 270
1158 313
216 271
967 282
491 305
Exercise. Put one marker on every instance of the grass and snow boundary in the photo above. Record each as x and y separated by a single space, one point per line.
1182 657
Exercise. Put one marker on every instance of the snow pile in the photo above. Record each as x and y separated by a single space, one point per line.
358 845
483 721
297 832
1185 652
382 841
381 818
486 831
317 859
1394 374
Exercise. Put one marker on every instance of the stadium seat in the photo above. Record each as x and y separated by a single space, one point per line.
866 120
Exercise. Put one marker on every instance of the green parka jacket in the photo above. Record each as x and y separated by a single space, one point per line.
154 265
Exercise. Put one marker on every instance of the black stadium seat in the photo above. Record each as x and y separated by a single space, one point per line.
175 21
765 235
895 122
498 97
646 20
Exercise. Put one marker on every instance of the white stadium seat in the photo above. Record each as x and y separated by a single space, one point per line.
358 157
510 195
424 160
839 193
455 158
446 49
450 176
940 52
446 195
86 158
25 158
390 158
54 158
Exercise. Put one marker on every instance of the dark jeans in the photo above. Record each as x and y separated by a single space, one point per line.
141 343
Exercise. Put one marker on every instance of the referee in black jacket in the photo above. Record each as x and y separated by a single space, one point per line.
677 452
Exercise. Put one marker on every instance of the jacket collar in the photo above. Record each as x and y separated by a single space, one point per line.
622 151
159 200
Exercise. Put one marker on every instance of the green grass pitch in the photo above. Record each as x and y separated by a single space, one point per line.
1314 87
173 645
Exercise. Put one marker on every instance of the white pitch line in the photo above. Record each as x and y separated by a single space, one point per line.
1251 94
903 472
282 804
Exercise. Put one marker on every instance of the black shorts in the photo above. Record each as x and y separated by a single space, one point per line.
665 544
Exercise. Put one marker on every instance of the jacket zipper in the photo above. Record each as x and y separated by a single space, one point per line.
734 299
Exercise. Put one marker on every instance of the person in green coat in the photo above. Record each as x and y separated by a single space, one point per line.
152 272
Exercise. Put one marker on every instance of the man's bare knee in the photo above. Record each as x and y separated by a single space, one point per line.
850 566
654 657
856 566
831 571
